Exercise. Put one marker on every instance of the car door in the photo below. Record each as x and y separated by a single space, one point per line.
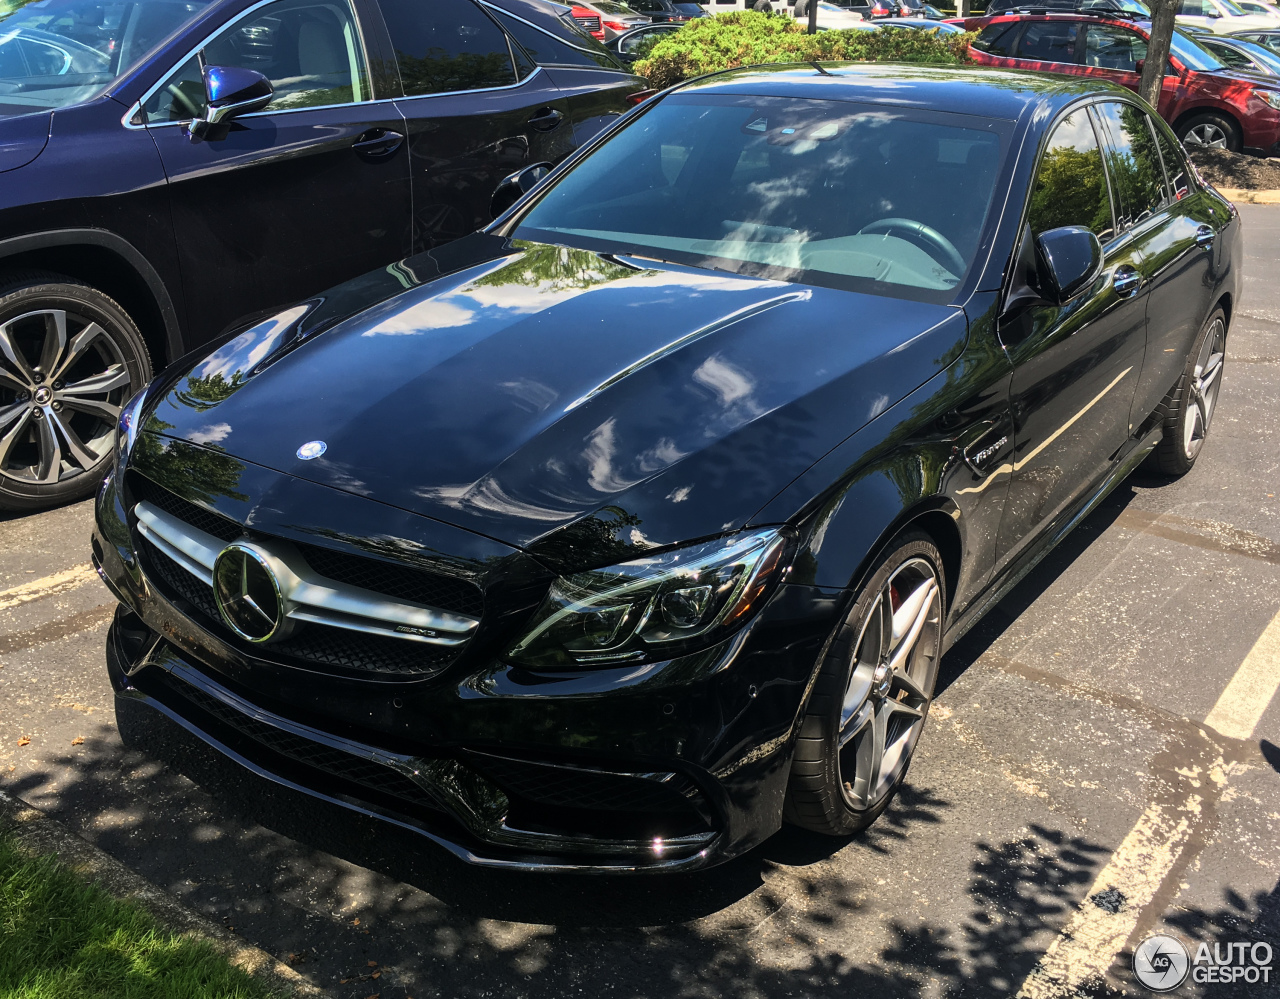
1174 226
1075 366
301 196
476 108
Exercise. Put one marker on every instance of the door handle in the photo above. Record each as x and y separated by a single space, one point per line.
1126 281
1205 237
546 119
377 142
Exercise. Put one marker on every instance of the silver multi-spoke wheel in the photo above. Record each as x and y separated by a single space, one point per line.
1206 135
895 665
1203 389
67 377
69 360
872 693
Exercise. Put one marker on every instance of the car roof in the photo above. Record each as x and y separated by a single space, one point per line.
998 93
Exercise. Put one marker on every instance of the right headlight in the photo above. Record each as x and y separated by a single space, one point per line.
127 429
659 606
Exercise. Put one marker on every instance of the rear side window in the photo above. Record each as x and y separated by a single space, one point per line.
558 45
1049 41
447 45
1177 176
1071 185
1109 47
998 39
1133 162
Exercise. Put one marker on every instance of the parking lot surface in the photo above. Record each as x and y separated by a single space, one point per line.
1102 763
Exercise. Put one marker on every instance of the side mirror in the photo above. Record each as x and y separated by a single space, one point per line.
516 186
231 91
1070 261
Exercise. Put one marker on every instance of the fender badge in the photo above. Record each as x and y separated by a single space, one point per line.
312 449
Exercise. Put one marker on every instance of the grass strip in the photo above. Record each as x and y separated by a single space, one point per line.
61 938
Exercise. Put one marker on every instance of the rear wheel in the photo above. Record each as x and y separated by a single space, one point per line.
1208 130
872 695
69 359
1190 406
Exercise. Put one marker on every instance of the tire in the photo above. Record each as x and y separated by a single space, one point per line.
832 788
69 359
1208 129
1191 403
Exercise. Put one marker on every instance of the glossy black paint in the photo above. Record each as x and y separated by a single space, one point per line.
507 411
191 234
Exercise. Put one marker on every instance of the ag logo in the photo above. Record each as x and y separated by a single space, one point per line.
1161 963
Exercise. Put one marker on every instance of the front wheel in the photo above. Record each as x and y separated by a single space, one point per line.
69 359
872 696
1210 131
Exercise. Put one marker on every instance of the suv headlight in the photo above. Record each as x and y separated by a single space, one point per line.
659 606
1272 97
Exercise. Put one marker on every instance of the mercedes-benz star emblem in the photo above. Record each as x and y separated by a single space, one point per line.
312 449
1161 963
247 594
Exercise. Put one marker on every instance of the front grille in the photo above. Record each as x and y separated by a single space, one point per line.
443 592
222 528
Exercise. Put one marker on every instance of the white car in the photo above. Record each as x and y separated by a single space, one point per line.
1223 17
1258 7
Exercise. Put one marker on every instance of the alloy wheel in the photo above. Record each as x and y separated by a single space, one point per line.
1202 395
1206 134
888 695
63 380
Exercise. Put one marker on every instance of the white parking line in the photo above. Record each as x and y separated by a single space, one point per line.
47 586
1089 943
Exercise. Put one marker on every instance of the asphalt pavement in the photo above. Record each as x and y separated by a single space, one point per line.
1100 764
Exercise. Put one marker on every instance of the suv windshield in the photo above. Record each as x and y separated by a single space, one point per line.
845 195
54 53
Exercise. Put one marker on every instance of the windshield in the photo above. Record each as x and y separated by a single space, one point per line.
1193 55
821 192
54 53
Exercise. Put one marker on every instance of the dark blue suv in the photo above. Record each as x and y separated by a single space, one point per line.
168 167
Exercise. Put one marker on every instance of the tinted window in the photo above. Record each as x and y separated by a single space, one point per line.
1108 47
1195 8
310 52
447 45
998 39
1133 162
1071 185
1049 41
1192 54
824 192
1177 176
565 46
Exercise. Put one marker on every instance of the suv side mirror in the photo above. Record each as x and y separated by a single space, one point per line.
516 186
231 91
1070 261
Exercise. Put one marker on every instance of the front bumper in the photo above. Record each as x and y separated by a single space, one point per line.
672 766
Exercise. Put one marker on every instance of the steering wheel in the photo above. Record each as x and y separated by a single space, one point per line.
946 253
182 100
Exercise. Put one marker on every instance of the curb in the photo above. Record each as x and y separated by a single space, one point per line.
36 832
1250 197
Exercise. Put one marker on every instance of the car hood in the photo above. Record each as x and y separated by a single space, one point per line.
22 138
558 399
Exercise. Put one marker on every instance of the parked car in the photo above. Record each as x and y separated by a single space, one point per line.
635 43
1267 39
1223 17
589 20
172 165
1258 7
1249 57
625 530
672 11
1130 6
615 18
876 9
921 24
1205 102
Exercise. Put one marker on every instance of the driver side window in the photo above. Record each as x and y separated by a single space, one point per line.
1071 184
311 52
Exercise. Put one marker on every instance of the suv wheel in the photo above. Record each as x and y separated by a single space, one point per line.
69 359
1210 131
872 694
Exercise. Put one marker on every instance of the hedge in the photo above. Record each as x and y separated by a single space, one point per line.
747 37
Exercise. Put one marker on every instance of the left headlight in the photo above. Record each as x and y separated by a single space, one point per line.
1272 97
662 605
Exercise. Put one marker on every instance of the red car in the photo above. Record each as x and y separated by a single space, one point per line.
1206 103
590 20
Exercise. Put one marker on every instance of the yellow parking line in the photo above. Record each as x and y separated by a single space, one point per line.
1094 935
59 582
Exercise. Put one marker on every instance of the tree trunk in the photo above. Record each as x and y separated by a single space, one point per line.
1163 13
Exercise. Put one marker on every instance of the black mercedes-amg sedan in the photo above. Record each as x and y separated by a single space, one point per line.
618 533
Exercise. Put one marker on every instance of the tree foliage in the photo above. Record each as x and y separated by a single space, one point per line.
747 38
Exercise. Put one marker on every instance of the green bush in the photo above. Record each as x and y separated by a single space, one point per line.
747 38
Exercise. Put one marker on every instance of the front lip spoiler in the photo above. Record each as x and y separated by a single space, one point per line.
126 690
